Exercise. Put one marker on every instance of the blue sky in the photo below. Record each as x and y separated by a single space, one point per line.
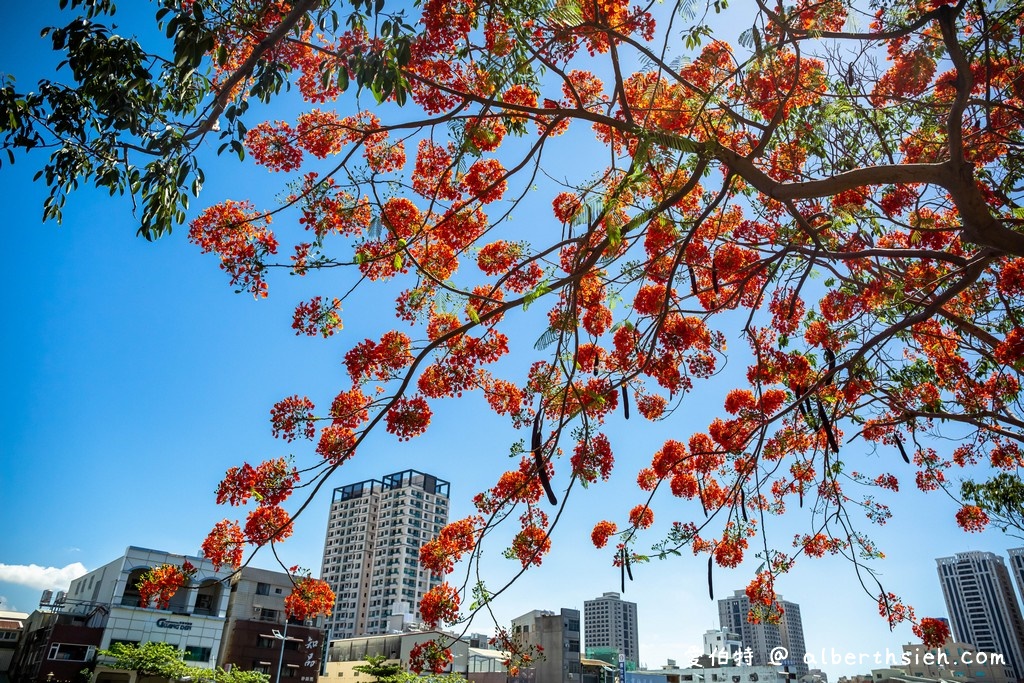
134 376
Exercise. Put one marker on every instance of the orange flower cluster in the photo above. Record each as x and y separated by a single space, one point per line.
455 539
933 632
267 524
440 605
310 598
318 317
163 582
603 530
592 458
270 483
225 545
972 518
242 240
530 545
430 655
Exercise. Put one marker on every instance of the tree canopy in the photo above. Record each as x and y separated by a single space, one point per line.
836 190
166 661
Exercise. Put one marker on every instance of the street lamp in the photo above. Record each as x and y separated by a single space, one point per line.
283 637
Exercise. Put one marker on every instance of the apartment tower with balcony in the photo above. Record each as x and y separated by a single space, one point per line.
371 552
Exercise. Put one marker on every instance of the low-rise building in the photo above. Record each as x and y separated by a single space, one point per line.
559 637
345 654
221 618
717 674
256 636
12 626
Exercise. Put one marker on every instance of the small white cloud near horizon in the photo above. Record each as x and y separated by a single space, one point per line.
34 576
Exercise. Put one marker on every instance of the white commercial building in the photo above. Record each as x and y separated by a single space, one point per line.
193 621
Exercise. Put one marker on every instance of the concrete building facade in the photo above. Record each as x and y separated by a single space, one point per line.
221 618
982 606
762 638
611 622
375 529
102 608
345 654
12 627
559 636
256 617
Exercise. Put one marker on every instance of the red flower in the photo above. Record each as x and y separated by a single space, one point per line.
601 533
310 598
932 632
224 545
163 582
440 605
431 656
972 518
267 523
641 516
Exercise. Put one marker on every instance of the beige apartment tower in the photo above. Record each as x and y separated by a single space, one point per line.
371 553
610 622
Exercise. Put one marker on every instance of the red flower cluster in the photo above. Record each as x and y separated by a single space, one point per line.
440 605
224 545
292 417
430 655
317 317
408 417
603 530
972 518
439 555
242 240
378 360
270 483
163 582
310 598
530 545
266 524
932 632
593 458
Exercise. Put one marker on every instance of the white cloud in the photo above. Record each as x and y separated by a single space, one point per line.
34 576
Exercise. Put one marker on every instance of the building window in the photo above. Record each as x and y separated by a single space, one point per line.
69 652
197 654
262 589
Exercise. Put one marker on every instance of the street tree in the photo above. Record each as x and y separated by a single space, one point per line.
163 660
835 190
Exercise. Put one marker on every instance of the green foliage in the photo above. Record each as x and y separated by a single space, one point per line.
377 666
149 659
166 661
1002 497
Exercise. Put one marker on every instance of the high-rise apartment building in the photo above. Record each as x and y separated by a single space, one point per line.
983 609
610 622
371 552
1017 567
762 638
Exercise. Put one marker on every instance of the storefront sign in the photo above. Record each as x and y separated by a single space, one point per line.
176 625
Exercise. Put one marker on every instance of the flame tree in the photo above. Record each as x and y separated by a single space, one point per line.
842 178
